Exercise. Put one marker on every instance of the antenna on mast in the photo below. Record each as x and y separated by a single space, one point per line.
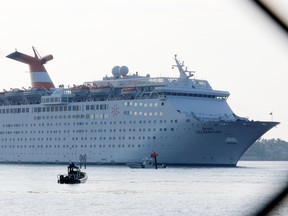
181 70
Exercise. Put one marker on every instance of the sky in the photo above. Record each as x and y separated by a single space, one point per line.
232 44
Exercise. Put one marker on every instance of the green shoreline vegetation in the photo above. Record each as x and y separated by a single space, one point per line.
267 149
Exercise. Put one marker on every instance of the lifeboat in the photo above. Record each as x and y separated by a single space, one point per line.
100 90
34 92
129 91
14 93
80 90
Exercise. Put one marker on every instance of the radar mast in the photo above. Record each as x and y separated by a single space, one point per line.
183 72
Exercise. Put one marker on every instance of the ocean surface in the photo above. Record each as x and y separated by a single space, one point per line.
119 190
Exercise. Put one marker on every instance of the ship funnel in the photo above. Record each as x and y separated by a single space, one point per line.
38 74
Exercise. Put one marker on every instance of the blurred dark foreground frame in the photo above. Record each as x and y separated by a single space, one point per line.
274 203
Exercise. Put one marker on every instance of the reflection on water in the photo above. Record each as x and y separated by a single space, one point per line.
118 190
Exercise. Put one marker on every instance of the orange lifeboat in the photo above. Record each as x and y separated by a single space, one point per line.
100 89
80 90
130 90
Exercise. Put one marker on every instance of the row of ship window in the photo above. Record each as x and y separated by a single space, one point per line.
195 95
53 109
135 104
84 131
135 113
72 108
98 116
104 138
77 138
74 146
92 123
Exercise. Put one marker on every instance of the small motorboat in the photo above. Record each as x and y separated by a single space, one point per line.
148 163
74 176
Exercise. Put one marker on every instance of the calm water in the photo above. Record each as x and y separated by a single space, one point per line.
119 190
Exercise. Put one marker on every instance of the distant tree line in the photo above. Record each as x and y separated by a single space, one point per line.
267 149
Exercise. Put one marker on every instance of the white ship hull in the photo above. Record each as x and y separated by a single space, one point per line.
184 120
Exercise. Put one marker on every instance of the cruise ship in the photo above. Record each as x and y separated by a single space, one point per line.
122 119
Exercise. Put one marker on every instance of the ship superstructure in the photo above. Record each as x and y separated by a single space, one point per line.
122 119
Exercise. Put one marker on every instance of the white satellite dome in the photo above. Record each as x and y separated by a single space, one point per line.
124 70
116 71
